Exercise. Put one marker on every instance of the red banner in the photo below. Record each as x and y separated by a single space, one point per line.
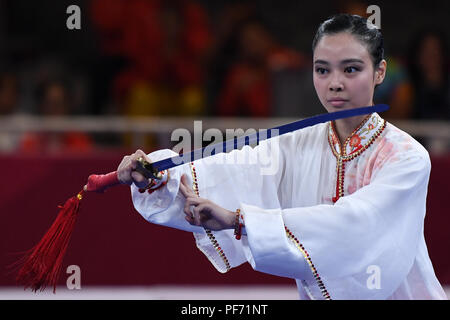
113 245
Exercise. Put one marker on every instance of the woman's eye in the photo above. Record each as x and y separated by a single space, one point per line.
351 69
321 70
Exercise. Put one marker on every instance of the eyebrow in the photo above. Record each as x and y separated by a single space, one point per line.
345 61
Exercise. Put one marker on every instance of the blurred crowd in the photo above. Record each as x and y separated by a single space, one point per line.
173 58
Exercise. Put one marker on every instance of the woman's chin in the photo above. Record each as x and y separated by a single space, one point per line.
340 107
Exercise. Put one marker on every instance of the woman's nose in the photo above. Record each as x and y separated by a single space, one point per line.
336 84
337 88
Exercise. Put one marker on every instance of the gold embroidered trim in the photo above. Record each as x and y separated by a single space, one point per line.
343 154
334 134
209 233
342 157
300 247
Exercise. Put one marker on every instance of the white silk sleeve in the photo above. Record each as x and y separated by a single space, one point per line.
165 205
252 174
378 227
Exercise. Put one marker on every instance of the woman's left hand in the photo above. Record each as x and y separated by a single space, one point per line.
205 213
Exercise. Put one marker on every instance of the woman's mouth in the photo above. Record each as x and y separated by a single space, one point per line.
338 102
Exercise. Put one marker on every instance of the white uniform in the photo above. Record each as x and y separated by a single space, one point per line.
346 222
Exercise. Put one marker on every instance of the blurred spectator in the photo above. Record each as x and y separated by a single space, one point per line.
352 7
54 100
419 87
247 89
429 73
164 44
225 48
396 90
9 94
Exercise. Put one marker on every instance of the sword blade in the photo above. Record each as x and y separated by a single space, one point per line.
265 134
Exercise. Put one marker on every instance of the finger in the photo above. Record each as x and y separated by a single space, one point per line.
189 219
187 210
139 153
139 180
124 171
125 160
196 217
197 214
189 203
134 162
185 188
135 156
194 201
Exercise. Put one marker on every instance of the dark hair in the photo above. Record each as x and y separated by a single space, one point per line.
356 25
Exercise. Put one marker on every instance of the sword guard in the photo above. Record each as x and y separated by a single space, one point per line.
147 170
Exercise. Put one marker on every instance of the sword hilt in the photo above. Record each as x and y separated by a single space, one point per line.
147 169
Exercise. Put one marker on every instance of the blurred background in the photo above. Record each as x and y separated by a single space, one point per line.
74 102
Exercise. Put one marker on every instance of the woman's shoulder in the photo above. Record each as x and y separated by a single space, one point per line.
403 143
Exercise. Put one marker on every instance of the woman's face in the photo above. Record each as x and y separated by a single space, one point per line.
344 76
430 55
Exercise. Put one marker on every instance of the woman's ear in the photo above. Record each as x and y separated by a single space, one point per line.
380 72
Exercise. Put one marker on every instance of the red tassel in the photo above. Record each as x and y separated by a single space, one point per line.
42 264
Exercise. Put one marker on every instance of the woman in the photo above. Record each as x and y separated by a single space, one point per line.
341 209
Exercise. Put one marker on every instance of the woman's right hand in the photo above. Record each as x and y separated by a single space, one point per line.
126 171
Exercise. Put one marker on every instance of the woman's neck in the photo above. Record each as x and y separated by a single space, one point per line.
345 127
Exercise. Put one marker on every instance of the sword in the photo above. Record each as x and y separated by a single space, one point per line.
42 265
153 170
